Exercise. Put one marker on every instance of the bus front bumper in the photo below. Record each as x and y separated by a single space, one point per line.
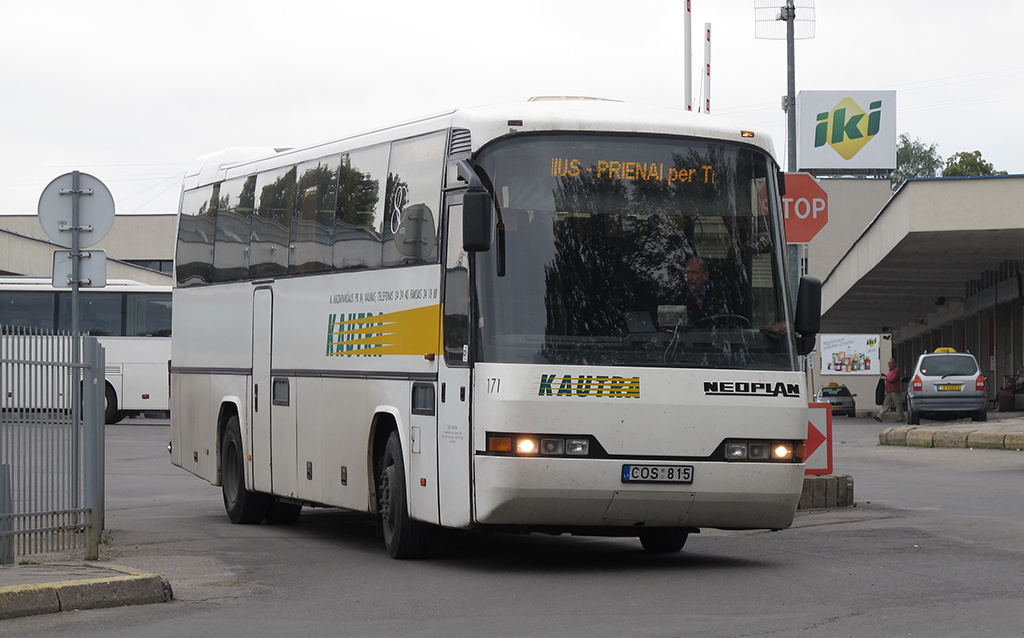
569 493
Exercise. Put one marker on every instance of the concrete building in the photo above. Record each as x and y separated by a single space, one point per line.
940 264
138 247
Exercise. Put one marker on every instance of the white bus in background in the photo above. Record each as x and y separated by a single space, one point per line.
480 320
131 320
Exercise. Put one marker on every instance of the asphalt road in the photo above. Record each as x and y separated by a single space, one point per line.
934 547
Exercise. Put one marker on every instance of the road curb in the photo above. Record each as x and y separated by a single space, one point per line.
918 436
131 587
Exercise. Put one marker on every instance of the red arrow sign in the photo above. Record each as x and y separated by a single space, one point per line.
818 459
814 438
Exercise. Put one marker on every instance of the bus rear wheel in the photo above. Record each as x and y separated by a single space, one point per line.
403 537
243 507
111 414
663 541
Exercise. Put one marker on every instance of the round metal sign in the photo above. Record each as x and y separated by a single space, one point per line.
95 209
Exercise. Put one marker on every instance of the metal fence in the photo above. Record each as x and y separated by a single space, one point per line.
51 443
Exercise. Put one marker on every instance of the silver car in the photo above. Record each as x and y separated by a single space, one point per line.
946 382
839 397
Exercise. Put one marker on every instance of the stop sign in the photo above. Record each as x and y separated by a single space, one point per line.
804 208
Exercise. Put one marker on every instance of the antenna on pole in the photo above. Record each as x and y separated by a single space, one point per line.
687 59
767 18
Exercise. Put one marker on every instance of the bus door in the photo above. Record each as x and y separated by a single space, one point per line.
262 311
454 436
273 440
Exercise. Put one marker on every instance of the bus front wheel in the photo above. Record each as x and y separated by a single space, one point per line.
243 507
403 537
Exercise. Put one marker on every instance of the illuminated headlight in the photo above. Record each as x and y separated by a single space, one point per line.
782 452
526 446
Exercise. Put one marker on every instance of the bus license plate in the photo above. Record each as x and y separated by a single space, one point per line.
657 474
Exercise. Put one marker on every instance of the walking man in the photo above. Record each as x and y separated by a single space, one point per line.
892 392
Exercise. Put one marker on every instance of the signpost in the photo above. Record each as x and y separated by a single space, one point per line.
76 210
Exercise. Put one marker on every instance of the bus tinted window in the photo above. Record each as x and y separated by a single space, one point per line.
100 313
148 314
34 310
271 225
413 195
193 257
316 200
355 236
234 219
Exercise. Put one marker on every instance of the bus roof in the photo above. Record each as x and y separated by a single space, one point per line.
487 123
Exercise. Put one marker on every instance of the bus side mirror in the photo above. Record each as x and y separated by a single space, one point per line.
807 322
476 211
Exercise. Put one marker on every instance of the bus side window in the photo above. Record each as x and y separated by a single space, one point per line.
271 225
413 193
360 208
316 201
456 292
193 257
27 309
234 217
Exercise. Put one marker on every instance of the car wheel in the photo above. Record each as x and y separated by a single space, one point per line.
980 415
913 416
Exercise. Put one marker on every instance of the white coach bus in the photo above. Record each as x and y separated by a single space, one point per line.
133 323
482 320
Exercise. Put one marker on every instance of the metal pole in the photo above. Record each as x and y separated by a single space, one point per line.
76 348
790 16
89 401
6 515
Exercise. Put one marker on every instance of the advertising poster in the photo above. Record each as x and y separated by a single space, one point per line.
849 354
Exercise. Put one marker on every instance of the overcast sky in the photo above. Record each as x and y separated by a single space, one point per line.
132 92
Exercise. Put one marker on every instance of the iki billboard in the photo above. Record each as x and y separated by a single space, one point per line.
846 130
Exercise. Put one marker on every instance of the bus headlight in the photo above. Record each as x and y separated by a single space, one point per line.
537 445
777 451
735 451
783 452
526 446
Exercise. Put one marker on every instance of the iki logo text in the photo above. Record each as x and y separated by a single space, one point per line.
847 128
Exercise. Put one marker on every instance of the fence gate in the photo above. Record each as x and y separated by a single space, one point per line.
51 443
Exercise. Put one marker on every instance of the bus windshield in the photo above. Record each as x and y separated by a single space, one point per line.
632 251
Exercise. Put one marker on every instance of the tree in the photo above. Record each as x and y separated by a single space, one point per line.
914 159
966 164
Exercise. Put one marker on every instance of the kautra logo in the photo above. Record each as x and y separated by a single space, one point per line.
847 127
